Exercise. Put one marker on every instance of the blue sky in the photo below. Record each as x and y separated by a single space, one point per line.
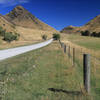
57 13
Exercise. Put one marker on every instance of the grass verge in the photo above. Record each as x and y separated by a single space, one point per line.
43 74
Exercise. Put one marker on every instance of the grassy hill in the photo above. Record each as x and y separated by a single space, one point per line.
29 27
88 42
7 25
21 17
92 26
89 45
27 37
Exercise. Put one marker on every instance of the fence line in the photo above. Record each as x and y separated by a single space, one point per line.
78 59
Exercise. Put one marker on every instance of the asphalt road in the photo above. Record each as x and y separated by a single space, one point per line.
4 54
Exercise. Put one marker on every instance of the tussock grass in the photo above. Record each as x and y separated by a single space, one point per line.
86 44
43 74
27 36
81 46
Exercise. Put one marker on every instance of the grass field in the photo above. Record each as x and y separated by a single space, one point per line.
89 45
31 76
45 74
88 42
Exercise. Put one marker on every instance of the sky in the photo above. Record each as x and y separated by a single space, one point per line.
57 13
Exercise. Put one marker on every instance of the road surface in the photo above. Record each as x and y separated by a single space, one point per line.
4 54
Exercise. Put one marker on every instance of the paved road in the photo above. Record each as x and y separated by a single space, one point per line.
4 54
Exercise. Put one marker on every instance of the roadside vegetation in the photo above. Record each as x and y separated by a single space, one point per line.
43 74
46 74
86 45
92 34
44 37
56 36
8 36
87 42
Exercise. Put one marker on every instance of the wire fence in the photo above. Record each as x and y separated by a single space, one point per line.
76 55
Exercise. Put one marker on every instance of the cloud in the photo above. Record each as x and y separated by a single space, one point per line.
12 2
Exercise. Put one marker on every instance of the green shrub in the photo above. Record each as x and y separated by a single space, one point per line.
2 32
99 34
17 36
56 36
9 36
85 33
44 37
94 34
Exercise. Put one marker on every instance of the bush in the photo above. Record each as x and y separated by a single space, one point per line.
99 34
8 36
44 37
56 36
17 36
2 32
94 34
85 33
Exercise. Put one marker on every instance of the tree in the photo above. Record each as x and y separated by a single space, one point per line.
94 34
85 33
44 37
56 36
2 31
99 34
9 36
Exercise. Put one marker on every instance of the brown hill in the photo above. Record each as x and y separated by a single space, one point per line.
70 29
92 26
21 17
28 26
6 24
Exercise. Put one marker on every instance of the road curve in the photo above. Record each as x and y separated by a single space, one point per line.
4 54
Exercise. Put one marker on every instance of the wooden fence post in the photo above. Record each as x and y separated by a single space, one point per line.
60 42
64 48
62 45
86 70
69 51
73 56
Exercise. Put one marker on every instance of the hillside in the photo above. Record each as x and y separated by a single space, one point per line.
27 25
92 26
70 29
21 17
6 24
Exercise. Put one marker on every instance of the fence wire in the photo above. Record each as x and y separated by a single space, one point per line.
94 65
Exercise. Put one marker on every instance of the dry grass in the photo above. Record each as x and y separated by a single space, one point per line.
7 25
52 69
80 45
83 44
32 34
27 36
